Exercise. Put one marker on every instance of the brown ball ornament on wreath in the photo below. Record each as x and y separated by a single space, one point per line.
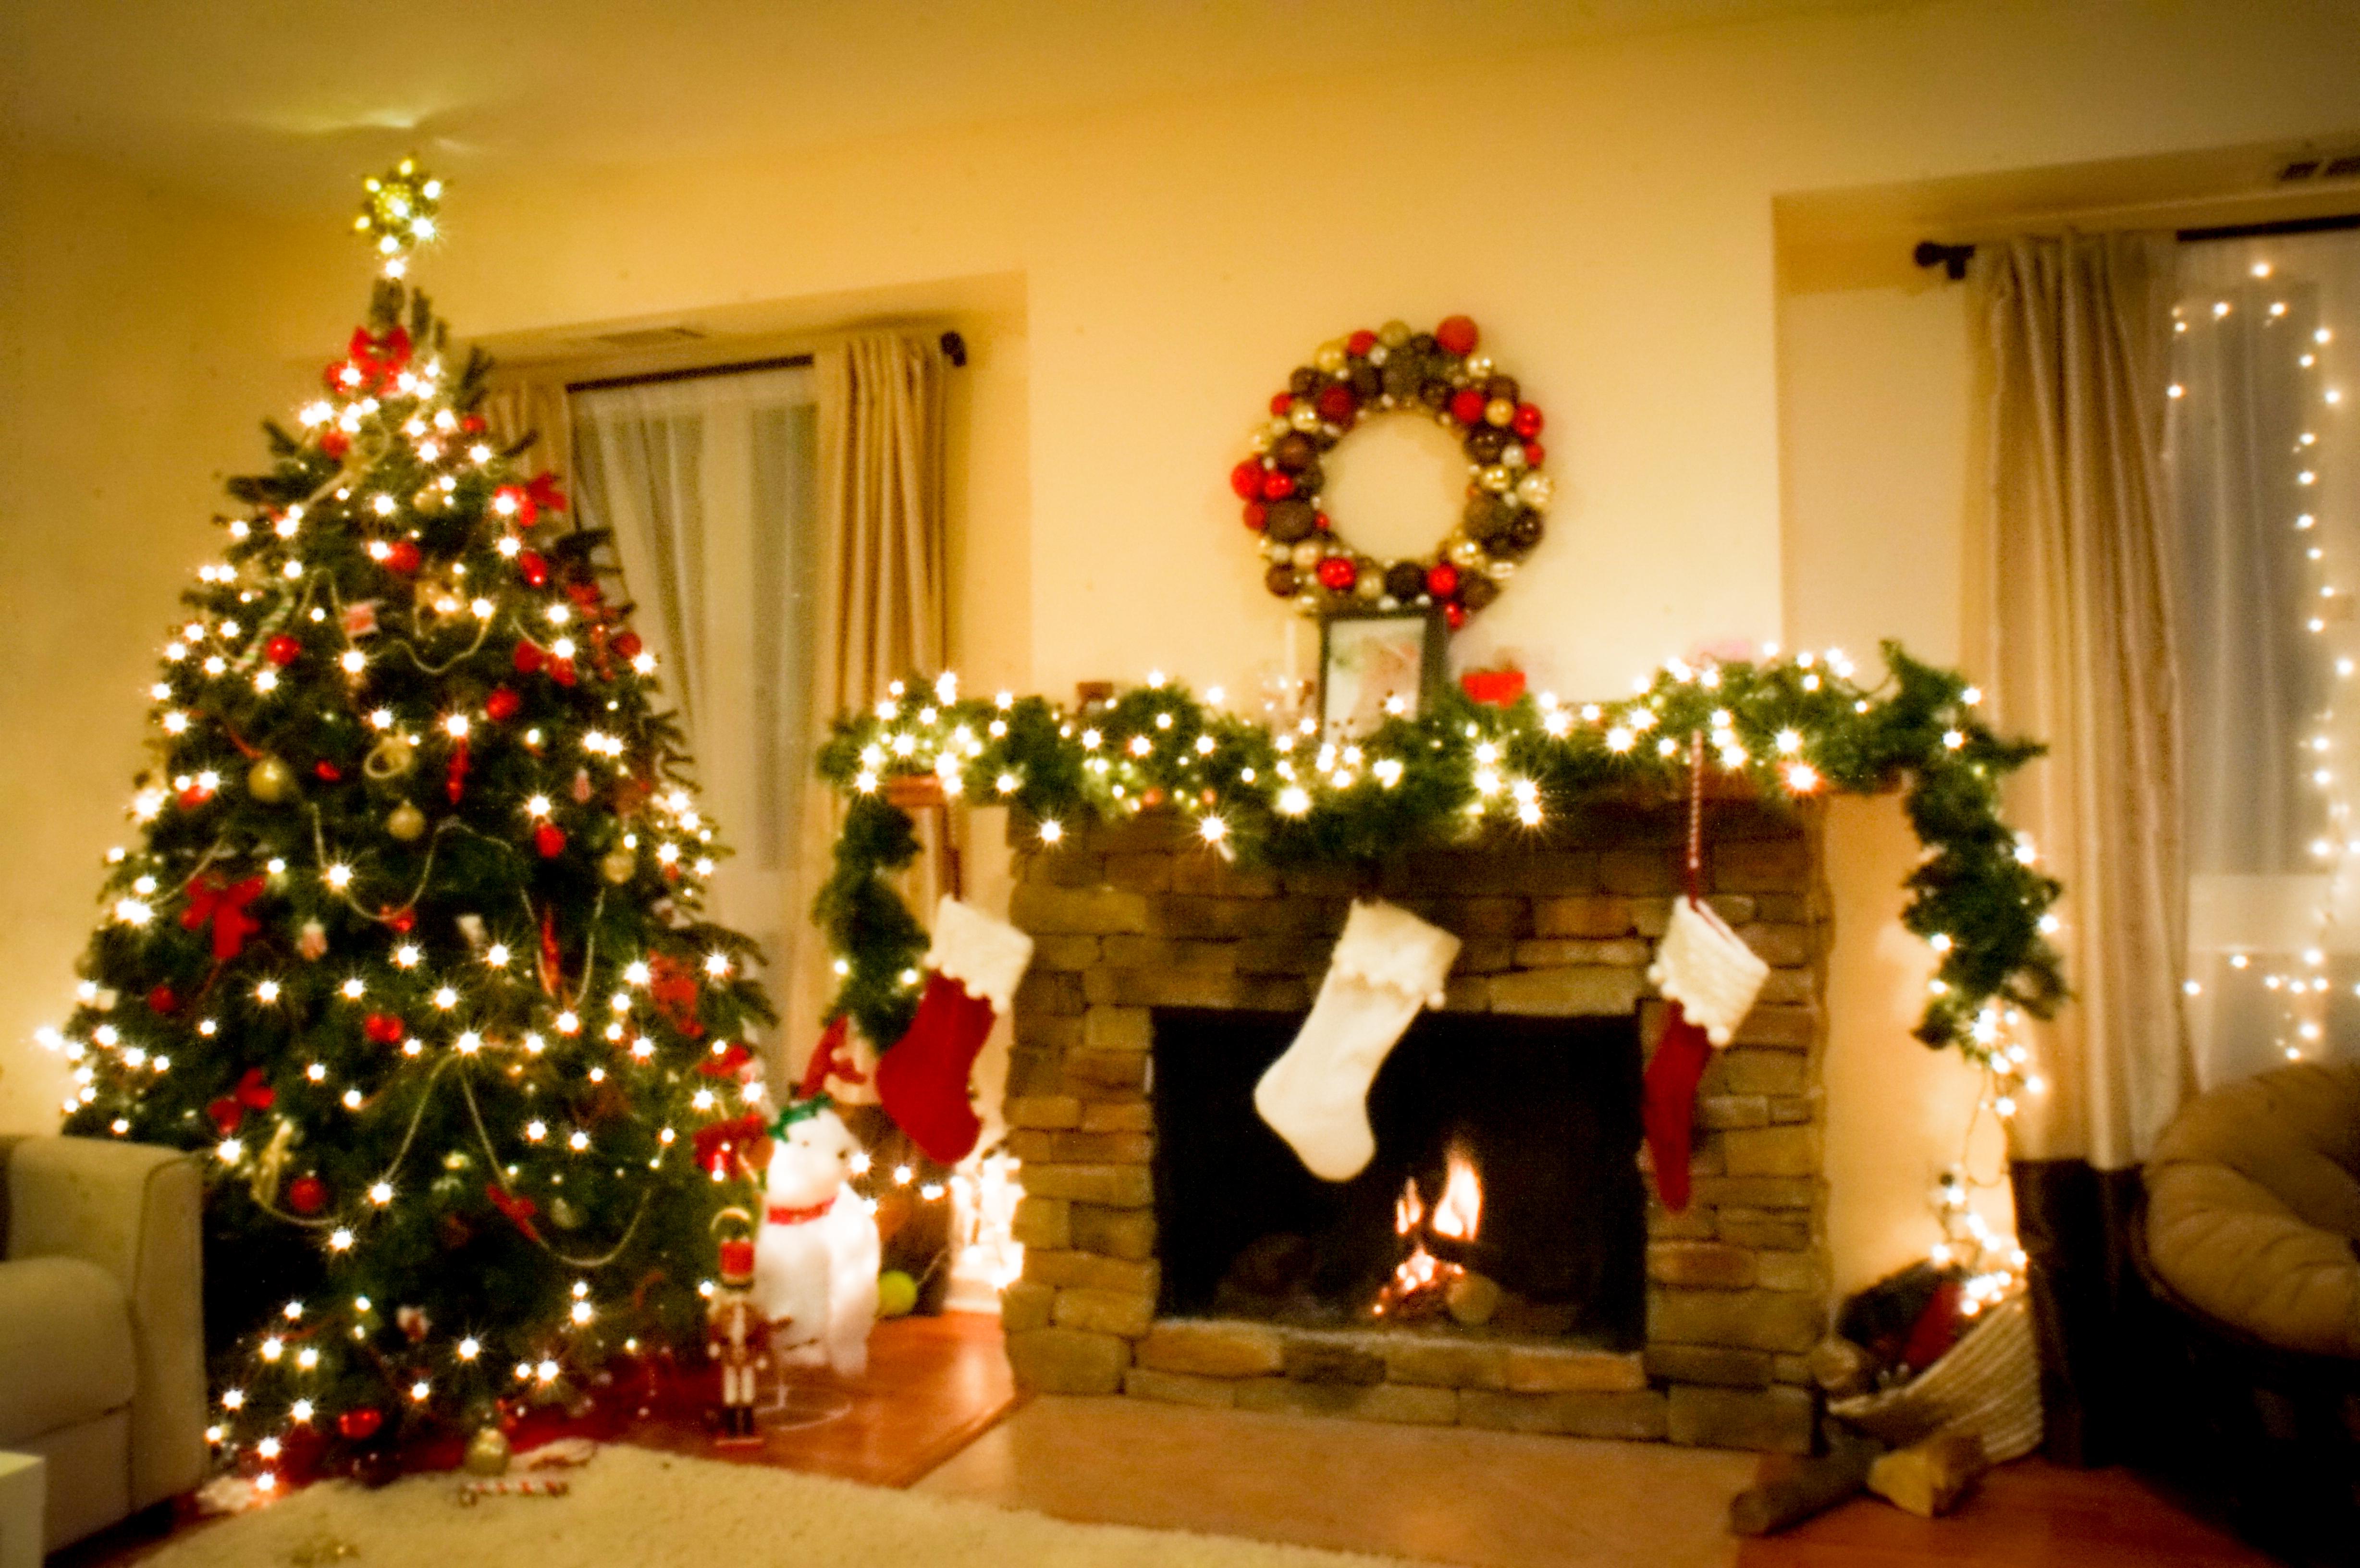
1436 376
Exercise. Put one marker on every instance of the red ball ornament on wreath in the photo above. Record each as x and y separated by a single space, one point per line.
1309 560
282 650
307 1194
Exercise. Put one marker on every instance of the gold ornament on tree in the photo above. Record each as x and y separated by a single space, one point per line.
390 758
270 780
406 822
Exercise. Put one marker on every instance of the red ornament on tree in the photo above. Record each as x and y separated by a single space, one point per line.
307 1194
383 1029
533 567
163 1002
528 659
1466 406
1442 580
1337 573
402 556
561 671
335 443
327 771
502 704
404 920
1456 334
549 840
628 645
359 1423
282 650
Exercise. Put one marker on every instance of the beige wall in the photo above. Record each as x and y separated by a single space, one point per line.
133 364
1605 212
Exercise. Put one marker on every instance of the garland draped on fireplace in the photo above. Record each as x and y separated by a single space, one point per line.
1793 726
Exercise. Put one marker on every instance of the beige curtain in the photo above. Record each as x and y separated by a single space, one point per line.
537 408
2081 647
883 591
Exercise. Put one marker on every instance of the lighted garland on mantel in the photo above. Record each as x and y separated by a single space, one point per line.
1794 727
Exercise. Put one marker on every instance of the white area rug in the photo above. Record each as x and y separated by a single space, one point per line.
631 1507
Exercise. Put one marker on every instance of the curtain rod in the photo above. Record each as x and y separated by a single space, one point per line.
1953 258
954 349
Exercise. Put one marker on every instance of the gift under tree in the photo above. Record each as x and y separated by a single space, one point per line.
407 945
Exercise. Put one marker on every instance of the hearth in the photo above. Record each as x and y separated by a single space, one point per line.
1504 1199
1176 1250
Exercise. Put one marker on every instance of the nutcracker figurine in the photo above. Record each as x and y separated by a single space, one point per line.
736 1335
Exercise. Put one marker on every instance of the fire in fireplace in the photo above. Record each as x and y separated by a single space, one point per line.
1504 1198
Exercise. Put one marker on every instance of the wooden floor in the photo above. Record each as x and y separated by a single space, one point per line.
2029 1514
936 1386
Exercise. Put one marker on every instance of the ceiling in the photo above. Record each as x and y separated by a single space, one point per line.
280 102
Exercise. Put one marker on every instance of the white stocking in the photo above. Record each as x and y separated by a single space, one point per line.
1388 965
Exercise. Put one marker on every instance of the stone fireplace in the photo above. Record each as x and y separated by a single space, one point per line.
1163 980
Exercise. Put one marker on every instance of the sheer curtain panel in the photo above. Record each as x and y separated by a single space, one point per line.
709 485
2267 502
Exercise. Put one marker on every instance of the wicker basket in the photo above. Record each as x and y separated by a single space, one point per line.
1989 1382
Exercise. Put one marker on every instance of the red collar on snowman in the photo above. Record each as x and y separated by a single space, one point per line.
797 1111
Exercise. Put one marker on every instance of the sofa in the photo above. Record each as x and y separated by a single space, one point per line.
101 1334
2250 1240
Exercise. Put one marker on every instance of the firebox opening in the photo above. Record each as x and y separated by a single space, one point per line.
1505 1197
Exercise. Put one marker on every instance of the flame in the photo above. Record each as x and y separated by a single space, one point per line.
1421 1280
1460 1209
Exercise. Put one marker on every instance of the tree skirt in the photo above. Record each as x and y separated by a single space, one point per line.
632 1508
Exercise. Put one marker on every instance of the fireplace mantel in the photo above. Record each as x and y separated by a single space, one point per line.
1134 915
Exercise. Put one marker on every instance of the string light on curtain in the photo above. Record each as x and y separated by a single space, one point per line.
2295 977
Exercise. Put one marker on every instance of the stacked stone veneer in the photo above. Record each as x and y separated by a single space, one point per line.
1140 915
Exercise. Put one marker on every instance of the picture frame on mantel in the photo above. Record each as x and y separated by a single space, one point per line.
1367 656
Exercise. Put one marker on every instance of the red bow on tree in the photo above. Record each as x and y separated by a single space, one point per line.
724 1060
251 1095
831 1058
527 501
223 902
673 987
717 1142
519 1209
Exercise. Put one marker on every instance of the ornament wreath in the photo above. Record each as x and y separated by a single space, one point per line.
1792 727
1393 368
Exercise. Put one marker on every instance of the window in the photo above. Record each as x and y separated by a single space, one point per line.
709 485
2266 494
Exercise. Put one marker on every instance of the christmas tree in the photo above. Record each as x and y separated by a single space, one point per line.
409 950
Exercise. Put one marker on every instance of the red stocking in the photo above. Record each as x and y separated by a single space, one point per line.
1668 1111
922 1082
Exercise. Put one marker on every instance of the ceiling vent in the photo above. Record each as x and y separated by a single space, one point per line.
2313 167
649 337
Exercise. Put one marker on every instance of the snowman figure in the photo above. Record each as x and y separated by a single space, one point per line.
815 1255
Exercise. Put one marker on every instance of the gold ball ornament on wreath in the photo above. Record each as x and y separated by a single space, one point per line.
1395 369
